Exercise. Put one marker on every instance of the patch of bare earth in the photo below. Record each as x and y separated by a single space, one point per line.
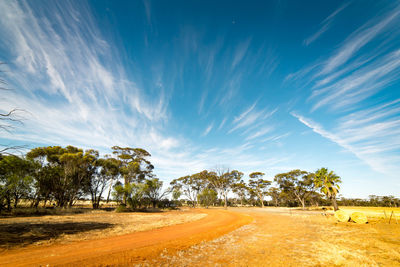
279 237
46 230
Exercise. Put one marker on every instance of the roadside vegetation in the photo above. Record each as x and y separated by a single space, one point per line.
57 177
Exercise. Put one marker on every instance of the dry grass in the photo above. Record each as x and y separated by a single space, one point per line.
374 212
286 237
22 231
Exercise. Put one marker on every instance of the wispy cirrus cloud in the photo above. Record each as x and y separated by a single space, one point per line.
359 39
360 84
258 133
372 135
343 85
251 121
208 129
325 25
240 52
73 83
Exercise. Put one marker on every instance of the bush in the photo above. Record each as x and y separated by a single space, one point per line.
122 208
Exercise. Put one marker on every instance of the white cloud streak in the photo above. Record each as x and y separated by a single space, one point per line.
370 139
358 40
252 122
360 84
208 129
240 52
325 25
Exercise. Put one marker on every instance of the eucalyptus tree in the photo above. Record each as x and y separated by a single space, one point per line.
47 173
328 183
111 167
65 171
79 169
275 194
105 171
190 186
207 197
259 186
136 193
240 189
297 182
15 180
223 180
135 166
153 190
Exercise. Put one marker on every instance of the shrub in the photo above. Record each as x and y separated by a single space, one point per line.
122 208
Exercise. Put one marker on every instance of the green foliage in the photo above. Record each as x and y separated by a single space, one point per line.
135 193
328 183
153 190
274 193
207 197
240 189
190 186
63 171
134 165
118 192
176 194
298 183
222 181
258 186
15 180
122 208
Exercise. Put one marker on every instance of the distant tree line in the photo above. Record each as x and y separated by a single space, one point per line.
294 188
374 201
63 175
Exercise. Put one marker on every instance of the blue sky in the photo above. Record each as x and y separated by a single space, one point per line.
252 85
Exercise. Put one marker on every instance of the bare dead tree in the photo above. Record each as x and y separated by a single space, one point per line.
8 120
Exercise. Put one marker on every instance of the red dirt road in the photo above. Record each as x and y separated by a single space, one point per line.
130 248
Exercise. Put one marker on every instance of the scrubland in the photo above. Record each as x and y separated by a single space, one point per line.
272 237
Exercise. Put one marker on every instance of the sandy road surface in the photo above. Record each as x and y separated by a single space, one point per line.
130 248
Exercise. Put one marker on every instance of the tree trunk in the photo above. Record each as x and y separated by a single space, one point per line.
16 202
303 204
8 203
334 203
262 201
125 193
36 203
109 192
225 202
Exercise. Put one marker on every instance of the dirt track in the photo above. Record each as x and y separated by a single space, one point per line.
130 248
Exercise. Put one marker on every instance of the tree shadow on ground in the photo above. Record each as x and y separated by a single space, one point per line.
23 234
48 211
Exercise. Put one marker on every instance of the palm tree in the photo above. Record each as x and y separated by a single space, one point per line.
328 182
